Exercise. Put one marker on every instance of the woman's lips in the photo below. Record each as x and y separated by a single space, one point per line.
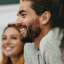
8 48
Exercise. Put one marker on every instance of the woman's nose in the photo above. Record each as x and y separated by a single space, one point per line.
8 41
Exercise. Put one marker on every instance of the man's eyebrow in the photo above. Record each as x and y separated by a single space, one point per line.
21 11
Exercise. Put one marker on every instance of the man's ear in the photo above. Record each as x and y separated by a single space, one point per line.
45 17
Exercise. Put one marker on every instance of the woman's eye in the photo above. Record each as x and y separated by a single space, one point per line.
3 38
14 37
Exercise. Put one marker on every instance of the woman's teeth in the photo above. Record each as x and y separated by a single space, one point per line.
8 48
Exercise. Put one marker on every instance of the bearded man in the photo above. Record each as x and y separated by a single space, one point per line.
40 26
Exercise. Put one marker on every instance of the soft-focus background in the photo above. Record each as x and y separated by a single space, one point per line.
8 14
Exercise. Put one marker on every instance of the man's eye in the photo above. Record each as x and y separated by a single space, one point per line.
23 14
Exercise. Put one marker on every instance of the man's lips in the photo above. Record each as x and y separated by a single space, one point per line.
22 29
21 26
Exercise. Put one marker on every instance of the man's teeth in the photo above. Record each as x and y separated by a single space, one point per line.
7 48
21 29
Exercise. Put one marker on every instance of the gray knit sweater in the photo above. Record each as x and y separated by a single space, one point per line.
49 51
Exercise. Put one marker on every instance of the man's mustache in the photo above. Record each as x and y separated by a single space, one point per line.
21 25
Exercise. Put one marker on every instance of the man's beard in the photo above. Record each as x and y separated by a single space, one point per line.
31 34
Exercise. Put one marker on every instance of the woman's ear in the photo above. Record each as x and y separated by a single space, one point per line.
45 17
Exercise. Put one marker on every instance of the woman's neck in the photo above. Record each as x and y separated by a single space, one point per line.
14 59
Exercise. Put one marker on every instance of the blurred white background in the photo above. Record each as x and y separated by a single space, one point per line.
8 14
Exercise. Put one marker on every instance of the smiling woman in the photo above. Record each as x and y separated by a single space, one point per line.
12 47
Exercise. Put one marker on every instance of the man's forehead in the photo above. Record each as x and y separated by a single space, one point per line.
25 5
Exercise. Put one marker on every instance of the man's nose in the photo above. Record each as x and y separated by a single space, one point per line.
19 20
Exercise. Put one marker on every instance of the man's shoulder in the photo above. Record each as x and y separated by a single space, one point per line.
30 49
52 39
29 46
